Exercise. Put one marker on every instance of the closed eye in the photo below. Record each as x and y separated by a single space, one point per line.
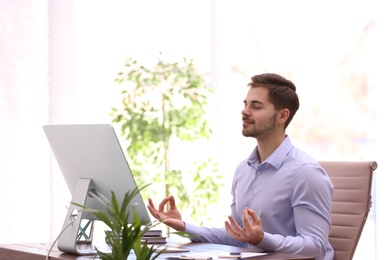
254 104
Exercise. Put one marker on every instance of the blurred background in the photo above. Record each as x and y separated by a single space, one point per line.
59 59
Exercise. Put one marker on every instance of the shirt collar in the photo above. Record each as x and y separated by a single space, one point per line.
276 158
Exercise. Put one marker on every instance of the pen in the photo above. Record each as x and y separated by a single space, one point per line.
183 257
195 258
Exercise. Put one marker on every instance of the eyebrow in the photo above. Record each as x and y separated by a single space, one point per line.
254 102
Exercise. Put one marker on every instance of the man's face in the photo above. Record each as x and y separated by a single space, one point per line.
259 118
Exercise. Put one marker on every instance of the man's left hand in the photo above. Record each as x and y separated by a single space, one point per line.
251 233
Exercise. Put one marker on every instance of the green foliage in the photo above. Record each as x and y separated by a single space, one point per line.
160 105
122 236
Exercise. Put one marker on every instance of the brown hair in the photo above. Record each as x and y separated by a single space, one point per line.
281 92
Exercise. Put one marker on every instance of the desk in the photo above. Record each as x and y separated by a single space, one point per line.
38 251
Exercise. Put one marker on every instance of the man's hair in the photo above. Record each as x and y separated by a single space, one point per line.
281 92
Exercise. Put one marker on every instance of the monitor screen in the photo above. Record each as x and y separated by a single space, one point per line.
93 152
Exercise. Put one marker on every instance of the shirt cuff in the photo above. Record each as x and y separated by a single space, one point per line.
267 243
192 229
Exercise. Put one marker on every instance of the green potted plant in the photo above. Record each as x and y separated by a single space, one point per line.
122 236
161 107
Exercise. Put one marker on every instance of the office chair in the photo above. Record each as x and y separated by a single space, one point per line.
351 203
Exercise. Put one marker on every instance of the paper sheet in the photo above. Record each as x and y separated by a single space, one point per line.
169 249
215 254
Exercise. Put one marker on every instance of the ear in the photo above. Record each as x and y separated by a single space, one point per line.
283 115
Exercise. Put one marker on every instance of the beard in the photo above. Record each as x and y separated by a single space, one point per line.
261 131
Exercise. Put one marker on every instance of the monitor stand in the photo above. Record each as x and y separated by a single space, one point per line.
77 237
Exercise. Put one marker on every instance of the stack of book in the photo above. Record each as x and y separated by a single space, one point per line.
153 236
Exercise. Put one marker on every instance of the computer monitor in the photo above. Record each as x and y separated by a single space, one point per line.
91 160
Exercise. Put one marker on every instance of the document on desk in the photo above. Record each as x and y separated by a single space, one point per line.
251 254
212 255
169 249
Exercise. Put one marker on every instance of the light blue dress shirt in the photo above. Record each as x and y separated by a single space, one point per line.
291 193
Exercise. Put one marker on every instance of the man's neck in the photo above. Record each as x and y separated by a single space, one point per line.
268 145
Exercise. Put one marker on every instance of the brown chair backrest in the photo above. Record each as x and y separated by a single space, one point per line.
351 203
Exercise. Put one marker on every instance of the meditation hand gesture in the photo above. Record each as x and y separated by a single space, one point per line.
251 233
171 217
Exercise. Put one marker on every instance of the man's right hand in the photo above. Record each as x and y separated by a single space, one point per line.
171 217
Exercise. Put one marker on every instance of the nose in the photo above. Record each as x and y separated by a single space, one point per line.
245 111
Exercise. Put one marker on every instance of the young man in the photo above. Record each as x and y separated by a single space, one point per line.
281 196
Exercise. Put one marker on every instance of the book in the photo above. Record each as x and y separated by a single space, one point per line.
153 233
153 236
154 240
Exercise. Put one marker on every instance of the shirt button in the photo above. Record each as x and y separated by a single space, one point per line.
258 172
252 197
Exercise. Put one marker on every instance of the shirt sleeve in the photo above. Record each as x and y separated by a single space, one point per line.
311 198
211 235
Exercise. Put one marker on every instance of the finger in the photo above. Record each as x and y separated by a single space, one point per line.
172 203
245 219
230 231
153 212
233 223
255 218
162 204
151 207
151 204
228 227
